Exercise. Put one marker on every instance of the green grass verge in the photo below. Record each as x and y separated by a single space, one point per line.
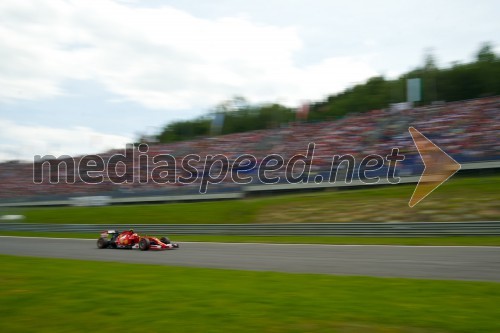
459 199
339 240
57 295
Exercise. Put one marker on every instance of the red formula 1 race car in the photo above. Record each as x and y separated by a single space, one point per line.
130 240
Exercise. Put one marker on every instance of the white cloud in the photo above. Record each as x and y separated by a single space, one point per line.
163 58
23 142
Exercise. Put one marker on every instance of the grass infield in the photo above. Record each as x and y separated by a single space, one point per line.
57 295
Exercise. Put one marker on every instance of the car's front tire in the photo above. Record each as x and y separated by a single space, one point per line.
165 240
144 244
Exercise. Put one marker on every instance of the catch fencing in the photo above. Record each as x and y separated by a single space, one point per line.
399 229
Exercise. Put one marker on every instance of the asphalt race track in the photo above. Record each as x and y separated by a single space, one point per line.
433 262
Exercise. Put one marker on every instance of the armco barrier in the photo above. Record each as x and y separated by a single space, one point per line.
417 229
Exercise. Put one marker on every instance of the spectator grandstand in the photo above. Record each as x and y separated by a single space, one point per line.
467 130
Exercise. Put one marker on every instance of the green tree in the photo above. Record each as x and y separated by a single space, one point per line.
486 53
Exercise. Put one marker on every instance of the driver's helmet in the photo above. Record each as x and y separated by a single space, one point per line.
131 231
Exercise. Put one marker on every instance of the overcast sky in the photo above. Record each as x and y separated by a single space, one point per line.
80 77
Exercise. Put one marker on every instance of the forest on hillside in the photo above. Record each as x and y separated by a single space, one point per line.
460 81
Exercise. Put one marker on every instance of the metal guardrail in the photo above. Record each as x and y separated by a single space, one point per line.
128 200
310 229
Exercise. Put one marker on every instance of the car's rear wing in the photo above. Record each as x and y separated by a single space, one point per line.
105 233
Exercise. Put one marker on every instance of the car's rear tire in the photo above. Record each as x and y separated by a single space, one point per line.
144 244
102 243
165 240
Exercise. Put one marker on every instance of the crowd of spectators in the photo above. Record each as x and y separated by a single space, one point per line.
468 130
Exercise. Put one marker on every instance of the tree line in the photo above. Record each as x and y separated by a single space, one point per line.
460 81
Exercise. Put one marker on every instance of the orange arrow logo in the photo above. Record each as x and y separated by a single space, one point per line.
438 167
